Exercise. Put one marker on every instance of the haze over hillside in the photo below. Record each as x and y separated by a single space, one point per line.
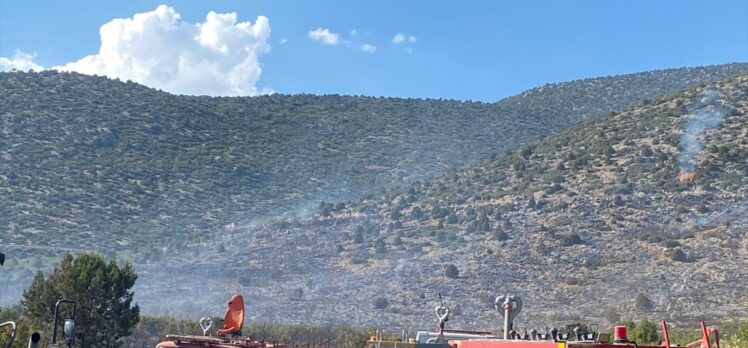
591 224
88 160
90 163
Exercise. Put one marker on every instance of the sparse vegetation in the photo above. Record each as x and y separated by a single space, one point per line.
188 165
585 207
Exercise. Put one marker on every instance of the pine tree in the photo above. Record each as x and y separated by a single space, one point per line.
103 294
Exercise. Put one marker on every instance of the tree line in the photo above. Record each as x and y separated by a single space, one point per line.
106 316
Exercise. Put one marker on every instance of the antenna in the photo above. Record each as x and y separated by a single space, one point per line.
508 307
442 315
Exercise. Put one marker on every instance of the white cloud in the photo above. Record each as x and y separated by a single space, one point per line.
368 48
401 39
398 39
324 36
20 61
219 56
283 41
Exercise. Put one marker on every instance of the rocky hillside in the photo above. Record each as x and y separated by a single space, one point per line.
591 224
89 163
93 163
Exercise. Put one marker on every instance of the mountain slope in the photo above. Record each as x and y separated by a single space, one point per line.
596 215
88 161
596 96
591 224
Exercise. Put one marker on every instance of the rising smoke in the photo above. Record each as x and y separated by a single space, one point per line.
704 115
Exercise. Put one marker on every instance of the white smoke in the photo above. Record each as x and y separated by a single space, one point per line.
219 56
706 114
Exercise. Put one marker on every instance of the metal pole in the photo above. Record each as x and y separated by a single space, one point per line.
57 306
507 323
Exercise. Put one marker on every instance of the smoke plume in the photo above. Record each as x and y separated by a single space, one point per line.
704 115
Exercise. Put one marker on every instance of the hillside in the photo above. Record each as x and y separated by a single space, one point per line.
93 163
591 224
90 163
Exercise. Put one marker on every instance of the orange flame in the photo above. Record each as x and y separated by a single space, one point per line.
685 176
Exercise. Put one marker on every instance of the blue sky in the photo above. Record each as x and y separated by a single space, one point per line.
478 50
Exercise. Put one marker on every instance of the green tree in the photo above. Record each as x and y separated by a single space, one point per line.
643 332
102 291
380 247
358 238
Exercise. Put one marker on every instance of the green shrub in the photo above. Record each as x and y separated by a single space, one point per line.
572 239
679 255
643 303
380 247
643 332
499 234
381 303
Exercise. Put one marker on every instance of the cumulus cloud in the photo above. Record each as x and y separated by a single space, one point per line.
324 36
219 56
20 61
368 48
